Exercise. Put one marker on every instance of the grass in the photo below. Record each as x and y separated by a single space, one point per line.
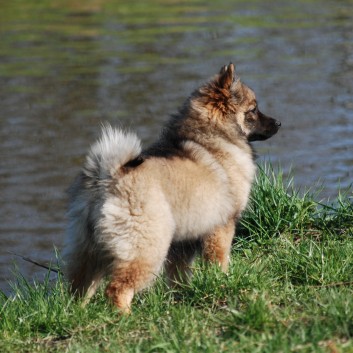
289 289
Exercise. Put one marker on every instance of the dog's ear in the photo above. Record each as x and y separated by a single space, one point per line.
227 75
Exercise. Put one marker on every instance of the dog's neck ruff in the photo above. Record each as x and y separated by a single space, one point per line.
230 157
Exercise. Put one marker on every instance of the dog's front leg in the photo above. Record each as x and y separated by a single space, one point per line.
216 246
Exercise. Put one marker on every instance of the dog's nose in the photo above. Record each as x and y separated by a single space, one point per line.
278 123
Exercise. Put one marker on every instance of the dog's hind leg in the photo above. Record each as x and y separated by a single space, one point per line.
179 261
139 241
216 246
130 278
83 274
94 283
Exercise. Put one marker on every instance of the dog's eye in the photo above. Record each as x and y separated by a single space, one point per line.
250 119
254 110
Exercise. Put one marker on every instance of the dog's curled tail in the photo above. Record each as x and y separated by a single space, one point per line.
114 149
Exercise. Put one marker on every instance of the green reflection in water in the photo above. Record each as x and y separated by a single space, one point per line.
67 39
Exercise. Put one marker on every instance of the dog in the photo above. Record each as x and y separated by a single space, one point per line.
133 212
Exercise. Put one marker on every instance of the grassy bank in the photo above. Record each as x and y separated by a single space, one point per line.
289 289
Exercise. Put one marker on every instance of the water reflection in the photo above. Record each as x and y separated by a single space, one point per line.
66 66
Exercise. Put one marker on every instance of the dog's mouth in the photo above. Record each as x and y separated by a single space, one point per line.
269 130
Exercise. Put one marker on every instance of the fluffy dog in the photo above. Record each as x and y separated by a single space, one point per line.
134 212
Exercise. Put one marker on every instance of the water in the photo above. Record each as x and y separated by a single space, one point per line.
67 66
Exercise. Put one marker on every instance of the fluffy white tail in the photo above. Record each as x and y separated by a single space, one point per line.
114 149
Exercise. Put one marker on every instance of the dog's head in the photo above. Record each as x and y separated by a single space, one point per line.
233 105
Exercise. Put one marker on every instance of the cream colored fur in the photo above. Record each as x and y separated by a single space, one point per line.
130 211
162 201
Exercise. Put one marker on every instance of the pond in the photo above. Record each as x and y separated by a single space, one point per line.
66 66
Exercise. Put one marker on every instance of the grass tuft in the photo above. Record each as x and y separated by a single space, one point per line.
276 207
